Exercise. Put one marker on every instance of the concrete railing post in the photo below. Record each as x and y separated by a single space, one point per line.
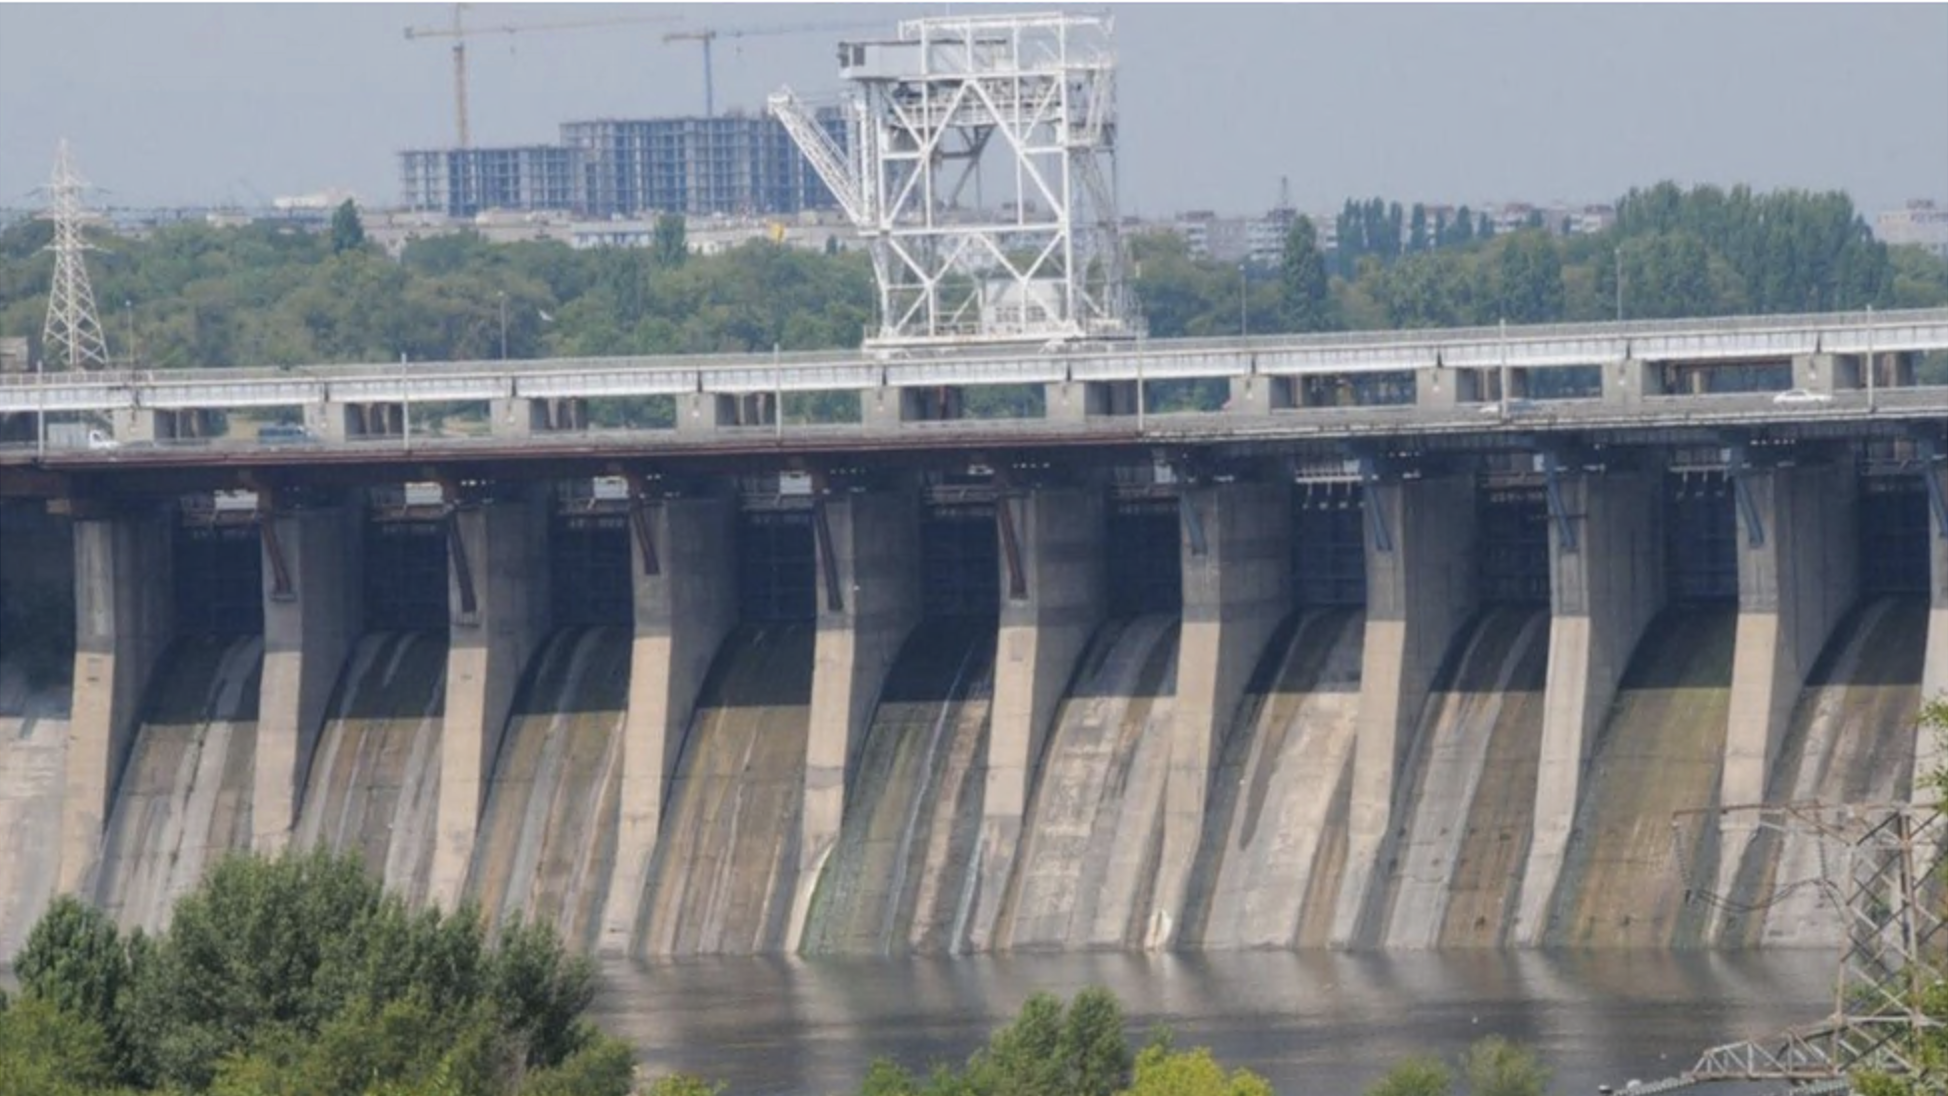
312 616
873 538
124 620
497 626
685 604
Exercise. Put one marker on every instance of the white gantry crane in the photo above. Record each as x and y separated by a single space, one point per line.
981 174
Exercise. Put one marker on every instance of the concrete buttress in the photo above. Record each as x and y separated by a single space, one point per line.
683 611
497 594
124 620
1798 573
1237 568
868 600
1606 584
1934 672
1420 590
1048 614
311 619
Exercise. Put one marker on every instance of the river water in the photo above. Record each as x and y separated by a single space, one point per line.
1313 1023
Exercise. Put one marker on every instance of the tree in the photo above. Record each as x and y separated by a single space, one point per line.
347 233
1496 1067
670 242
1417 230
1191 1073
1529 286
1302 279
1419 1076
47 1050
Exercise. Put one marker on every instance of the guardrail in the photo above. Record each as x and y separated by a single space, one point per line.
1543 346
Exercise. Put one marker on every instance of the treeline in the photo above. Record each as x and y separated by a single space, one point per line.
298 977
193 295
1672 253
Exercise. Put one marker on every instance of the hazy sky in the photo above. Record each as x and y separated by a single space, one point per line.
206 103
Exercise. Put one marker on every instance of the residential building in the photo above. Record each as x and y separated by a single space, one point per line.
1920 222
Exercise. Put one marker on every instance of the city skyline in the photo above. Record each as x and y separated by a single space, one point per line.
1476 104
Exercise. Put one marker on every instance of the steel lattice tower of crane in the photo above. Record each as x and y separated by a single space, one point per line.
1019 108
73 333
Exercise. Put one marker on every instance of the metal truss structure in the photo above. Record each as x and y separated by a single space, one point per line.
982 176
1883 872
73 334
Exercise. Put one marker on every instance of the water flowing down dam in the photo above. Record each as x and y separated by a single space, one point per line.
1660 753
1470 796
184 799
547 841
899 878
1275 842
1852 740
943 705
725 868
1087 868
33 753
374 784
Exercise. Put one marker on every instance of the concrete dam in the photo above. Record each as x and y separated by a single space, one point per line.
1104 700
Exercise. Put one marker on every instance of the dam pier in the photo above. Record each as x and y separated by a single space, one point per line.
1322 669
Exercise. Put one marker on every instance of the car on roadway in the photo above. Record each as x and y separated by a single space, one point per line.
99 440
1516 406
283 433
1802 396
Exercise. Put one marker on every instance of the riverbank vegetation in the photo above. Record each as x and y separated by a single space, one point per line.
193 295
299 977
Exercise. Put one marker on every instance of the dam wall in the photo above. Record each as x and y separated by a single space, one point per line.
1141 704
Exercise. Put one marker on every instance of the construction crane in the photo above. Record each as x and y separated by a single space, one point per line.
460 32
710 34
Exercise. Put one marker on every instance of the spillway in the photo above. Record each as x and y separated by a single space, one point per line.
1086 871
726 861
1268 869
547 841
1470 803
184 796
373 786
1661 751
1851 740
900 875
33 751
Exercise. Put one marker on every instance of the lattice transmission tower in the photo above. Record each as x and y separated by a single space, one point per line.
73 333
980 169
1883 873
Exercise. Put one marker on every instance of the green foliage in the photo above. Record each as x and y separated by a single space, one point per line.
1302 277
1417 1076
670 244
299 976
347 233
1494 1066
1191 1073
682 1084
47 1050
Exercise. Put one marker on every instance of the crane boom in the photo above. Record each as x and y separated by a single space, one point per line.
460 32
705 36
840 174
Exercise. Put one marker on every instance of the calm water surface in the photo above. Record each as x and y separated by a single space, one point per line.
1317 1023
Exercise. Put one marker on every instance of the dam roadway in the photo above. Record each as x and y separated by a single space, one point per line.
1369 658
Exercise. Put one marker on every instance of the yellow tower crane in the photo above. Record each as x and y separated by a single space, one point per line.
706 36
460 32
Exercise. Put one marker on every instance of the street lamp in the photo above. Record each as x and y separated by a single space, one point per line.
503 325
128 313
1619 257
1244 315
